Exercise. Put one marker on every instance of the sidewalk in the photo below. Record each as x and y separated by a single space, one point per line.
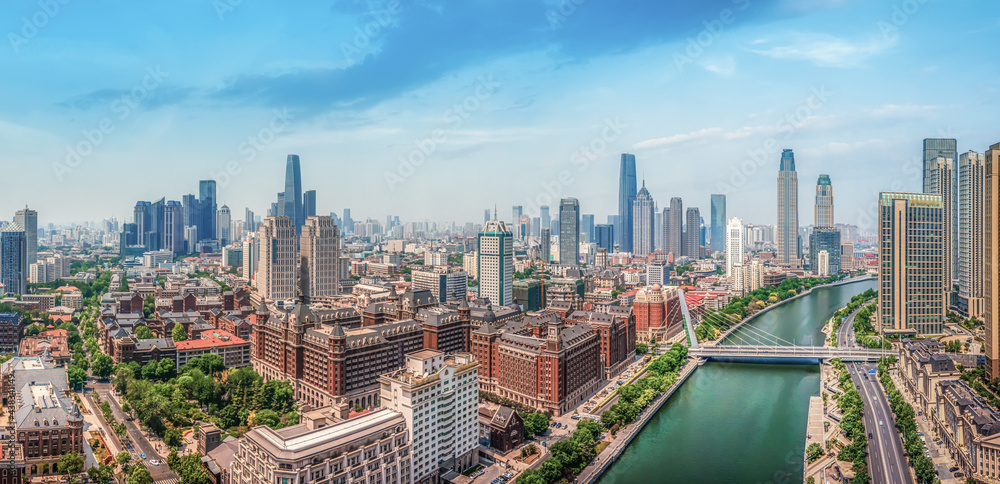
939 453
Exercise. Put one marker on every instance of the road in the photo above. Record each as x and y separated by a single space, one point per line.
845 333
886 459
140 445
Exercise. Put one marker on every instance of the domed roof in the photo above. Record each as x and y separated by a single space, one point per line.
490 317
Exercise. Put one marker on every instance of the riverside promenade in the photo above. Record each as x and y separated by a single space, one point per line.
604 461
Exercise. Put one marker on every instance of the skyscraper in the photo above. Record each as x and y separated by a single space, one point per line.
250 223
224 225
971 191
208 208
545 219
321 255
604 236
14 259
673 228
517 211
293 193
545 246
276 276
692 236
719 227
309 205
824 202
734 245
192 210
569 232
626 197
643 222
824 239
348 225
910 299
943 168
496 263
788 211
991 260
143 220
587 221
173 227
486 215
945 148
28 220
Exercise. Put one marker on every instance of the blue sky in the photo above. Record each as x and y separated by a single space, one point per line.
488 102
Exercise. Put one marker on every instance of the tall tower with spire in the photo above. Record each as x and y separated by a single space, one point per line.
643 222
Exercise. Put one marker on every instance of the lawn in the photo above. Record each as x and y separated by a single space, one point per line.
471 471
601 446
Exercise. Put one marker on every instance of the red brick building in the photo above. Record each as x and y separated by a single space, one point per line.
657 312
543 362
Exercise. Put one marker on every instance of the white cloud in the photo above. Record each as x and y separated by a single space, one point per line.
826 50
677 138
724 67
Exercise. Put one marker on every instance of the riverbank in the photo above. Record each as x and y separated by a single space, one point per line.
722 337
621 442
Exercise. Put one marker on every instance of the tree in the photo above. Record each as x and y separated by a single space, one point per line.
71 463
142 332
266 417
103 365
124 457
814 451
139 475
77 375
178 333
535 423
101 475
148 306
173 438
123 375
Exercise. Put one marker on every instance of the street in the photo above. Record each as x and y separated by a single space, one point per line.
886 459
845 332
140 445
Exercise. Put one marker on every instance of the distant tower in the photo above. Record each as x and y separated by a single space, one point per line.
14 259
546 245
971 193
569 232
734 245
173 227
321 248
224 226
824 202
276 276
718 217
293 193
692 236
28 220
309 204
496 263
788 211
208 205
626 197
643 222
943 176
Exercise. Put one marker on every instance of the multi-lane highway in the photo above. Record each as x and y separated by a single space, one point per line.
886 458
845 332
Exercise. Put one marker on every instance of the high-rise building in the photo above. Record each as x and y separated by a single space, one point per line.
207 203
604 236
692 236
626 196
911 299
846 255
825 239
517 211
643 222
673 228
223 224
569 232
276 275
545 216
545 246
14 265
321 255
173 227
446 284
824 202
991 260
486 215
788 211
496 263
587 226
823 263
251 256
250 225
719 226
971 192
348 222
28 220
945 148
734 245
293 193
437 395
192 210
309 204
142 219
943 174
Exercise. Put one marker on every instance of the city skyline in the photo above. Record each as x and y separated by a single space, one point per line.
199 112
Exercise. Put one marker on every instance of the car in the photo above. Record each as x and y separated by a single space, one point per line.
143 456
953 469
879 423
939 442
869 435
958 474
154 462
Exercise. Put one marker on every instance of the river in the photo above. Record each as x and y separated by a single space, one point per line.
738 423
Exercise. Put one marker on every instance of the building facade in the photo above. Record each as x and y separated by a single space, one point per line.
643 223
787 233
495 263
824 202
673 228
971 195
626 197
28 220
320 245
276 275
719 222
569 232
692 234
991 260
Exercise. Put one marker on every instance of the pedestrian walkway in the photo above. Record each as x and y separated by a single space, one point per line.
814 430
170 480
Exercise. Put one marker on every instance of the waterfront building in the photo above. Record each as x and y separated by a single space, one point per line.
910 228
657 312
438 396
825 239
846 255
734 245
719 224
788 212
495 263
824 203
626 198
